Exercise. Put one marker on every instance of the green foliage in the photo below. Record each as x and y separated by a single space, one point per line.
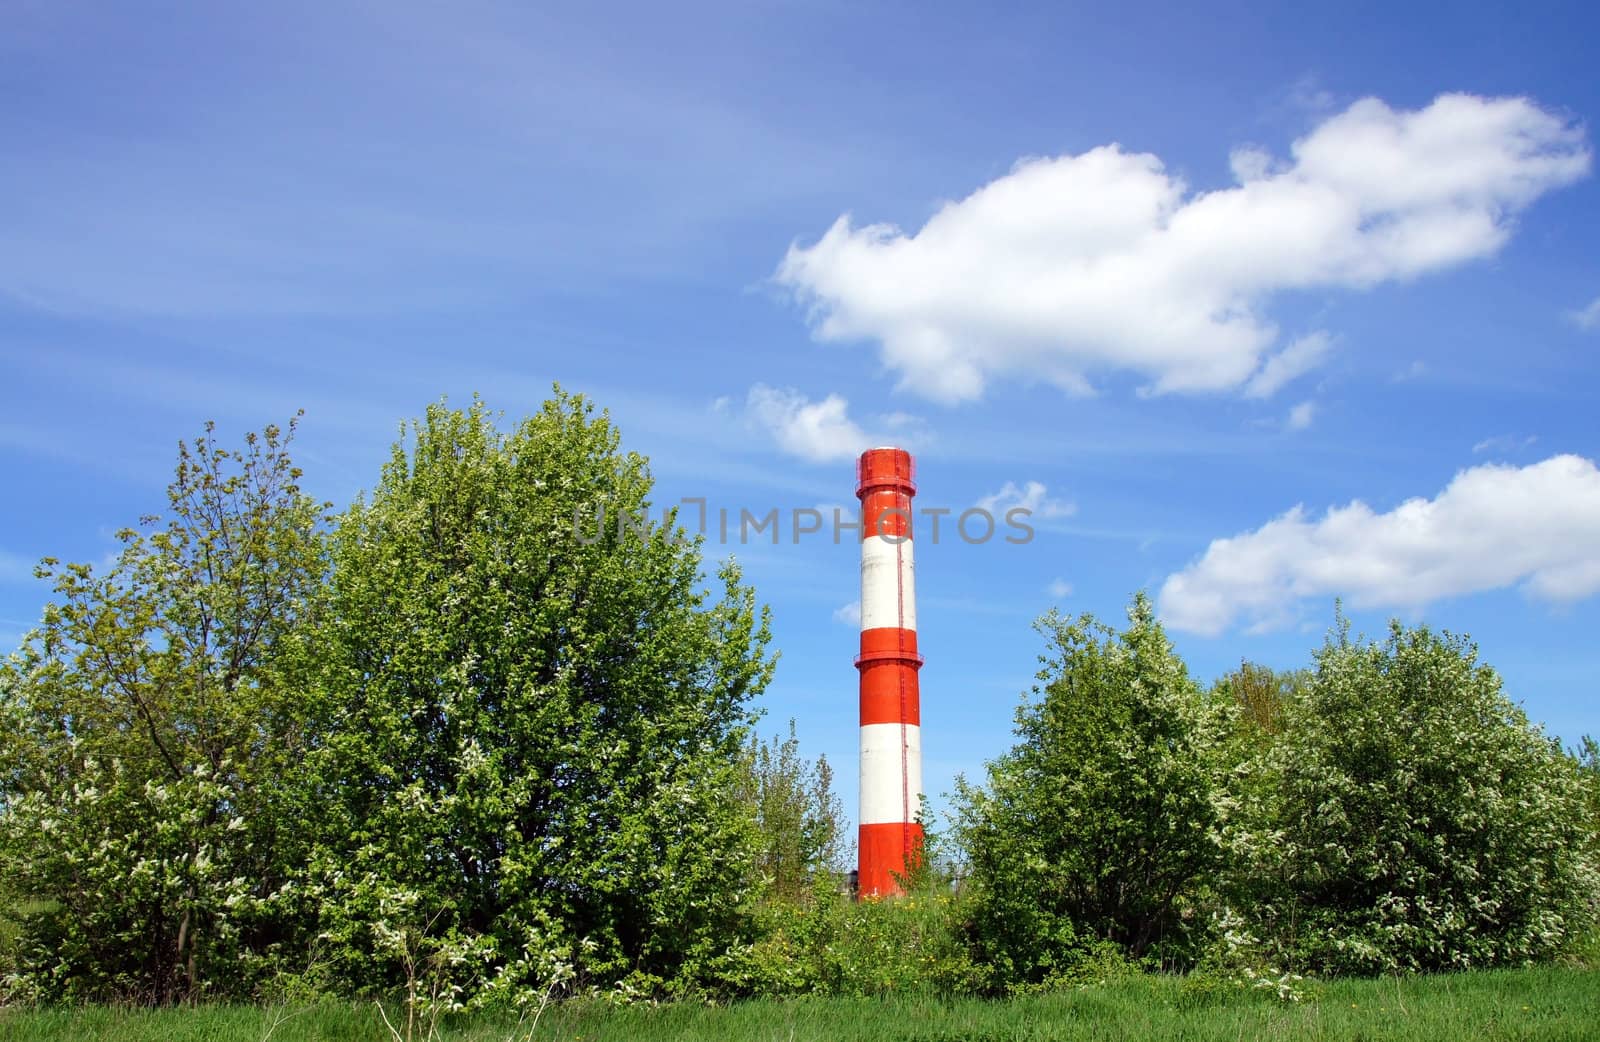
1263 697
830 944
474 748
534 735
799 820
1100 823
1234 960
1415 820
148 737
1587 759
451 747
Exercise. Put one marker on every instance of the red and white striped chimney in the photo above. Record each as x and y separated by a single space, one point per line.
891 722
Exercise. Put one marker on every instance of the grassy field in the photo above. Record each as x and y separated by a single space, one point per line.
1544 1003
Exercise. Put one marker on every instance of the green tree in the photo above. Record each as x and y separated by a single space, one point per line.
1587 757
1262 695
799 819
147 823
537 719
1416 820
1100 823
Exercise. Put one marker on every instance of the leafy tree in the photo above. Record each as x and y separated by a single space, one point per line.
1585 945
1587 757
146 824
1417 821
799 819
1099 824
1262 696
536 720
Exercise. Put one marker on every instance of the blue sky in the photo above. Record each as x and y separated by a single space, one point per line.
1165 274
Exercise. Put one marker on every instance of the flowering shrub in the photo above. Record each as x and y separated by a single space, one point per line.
146 741
1235 961
1100 824
438 746
1413 819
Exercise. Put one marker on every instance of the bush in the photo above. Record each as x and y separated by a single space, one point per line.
799 821
535 720
830 944
1414 819
1100 824
475 742
146 736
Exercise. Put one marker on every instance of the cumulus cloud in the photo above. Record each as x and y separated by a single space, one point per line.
1032 496
1078 265
1589 317
1301 415
1493 526
817 431
822 431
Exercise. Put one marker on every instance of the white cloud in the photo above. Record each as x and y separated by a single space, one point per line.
1492 527
1505 443
1298 358
1415 371
822 431
848 613
1032 496
816 431
1076 265
1059 588
1301 415
1589 317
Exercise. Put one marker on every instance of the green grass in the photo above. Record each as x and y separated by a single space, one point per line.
1541 1003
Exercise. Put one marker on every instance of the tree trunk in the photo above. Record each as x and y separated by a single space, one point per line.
185 954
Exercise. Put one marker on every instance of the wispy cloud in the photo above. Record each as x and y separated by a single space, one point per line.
1589 317
1301 415
1415 371
848 613
1293 361
461 161
1505 443
1105 261
1033 496
1059 589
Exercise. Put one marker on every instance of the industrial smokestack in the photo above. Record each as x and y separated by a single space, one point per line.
891 720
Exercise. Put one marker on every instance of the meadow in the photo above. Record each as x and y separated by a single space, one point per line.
1543 1003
